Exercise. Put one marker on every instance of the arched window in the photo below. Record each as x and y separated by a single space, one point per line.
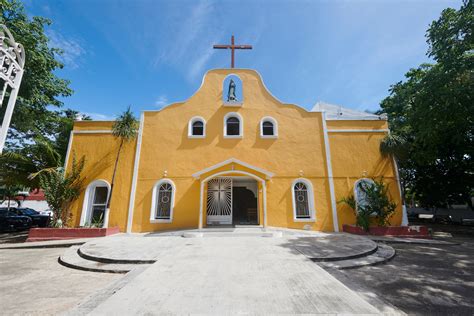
95 204
360 188
303 201
233 126
163 202
197 127
268 127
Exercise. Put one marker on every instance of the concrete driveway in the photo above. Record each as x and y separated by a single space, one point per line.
230 276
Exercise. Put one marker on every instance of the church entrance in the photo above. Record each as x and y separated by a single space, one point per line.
244 202
232 201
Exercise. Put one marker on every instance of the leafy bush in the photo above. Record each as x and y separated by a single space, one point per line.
376 204
61 189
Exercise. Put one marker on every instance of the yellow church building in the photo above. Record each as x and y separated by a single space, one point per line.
232 154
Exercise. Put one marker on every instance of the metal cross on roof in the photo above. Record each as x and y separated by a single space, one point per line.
233 47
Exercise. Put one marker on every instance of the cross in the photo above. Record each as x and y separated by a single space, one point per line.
233 47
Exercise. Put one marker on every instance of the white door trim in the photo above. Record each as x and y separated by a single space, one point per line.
204 181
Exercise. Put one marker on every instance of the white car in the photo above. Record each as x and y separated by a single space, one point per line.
47 212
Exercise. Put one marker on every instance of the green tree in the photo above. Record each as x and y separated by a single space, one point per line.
41 87
432 111
124 129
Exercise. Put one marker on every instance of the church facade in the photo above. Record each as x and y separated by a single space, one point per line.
232 154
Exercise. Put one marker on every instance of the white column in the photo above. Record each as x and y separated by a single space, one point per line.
264 187
131 205
330 175
404 208
201 199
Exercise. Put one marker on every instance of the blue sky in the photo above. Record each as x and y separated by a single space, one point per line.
148 53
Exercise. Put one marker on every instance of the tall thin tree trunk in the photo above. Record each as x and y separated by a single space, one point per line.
109 198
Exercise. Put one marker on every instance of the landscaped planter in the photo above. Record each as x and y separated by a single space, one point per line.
43 234
396 231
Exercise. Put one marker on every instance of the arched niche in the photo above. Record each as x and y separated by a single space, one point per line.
232 91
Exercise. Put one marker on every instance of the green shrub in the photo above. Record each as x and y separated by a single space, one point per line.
376 205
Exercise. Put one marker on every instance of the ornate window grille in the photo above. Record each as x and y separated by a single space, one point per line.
360 194
164 200
301 200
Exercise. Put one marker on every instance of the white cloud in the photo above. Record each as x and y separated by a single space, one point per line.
72 50
191 40
161 101
99 116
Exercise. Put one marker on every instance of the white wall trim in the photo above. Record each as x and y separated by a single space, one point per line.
68 152
88 199
358 131
275 127
404 208
153 209
198 174
332 192
99 131
241 125
310 191
190 127
136 164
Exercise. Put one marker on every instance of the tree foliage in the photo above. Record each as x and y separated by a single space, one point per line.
39 132
431 114
41 88
61 189
125 129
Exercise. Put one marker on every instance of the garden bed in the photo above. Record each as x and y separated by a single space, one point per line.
44 234
396 231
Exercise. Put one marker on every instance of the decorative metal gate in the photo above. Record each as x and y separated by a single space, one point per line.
219 201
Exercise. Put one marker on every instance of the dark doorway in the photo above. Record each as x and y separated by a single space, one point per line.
244 206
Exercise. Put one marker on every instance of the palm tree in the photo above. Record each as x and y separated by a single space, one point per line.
125 129
395 146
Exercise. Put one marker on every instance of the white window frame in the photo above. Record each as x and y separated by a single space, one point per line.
275 127
356 184
155 193
312 211
88 200
190 127
241 125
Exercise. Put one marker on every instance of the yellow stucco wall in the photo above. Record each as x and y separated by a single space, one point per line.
100 151
355 156
299 151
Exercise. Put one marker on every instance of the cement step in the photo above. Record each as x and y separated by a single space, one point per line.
334 247
383 254
232 234
71 259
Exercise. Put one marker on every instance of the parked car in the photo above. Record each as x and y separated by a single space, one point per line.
10 221
37 218
47 212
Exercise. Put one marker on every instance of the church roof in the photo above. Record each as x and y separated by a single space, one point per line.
337 112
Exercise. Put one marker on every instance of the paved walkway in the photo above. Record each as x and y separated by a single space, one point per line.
33 283
233 275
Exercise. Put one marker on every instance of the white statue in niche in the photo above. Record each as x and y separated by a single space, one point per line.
232 93
231 97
